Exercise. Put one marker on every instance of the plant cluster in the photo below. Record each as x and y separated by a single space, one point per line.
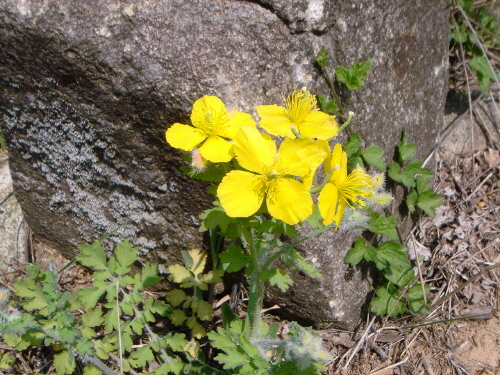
475 28
290 170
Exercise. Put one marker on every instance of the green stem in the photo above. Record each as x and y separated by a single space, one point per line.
318 188
333 91
256 292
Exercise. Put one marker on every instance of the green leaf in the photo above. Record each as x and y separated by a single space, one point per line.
411 200
353 77
415 298
228 316
383 225
126 255
212 277
211 173
176 296
400 276
232 360
353 146
199 368
177 317
294 260
176 341
395 173
14 341
373 156
322 57
93 317
141 357
93 256
406 150
90 296
64 362
277 277
391 253
484 72
360 251
428 201
30 290
387 301
327 106
203 310
235 256
315 220
213 218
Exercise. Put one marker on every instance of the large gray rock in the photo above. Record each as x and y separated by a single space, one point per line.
89 87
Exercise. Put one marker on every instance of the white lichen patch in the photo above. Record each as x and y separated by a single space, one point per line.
77 161
315 11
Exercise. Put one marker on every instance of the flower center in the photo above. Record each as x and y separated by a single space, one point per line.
214 123
299 105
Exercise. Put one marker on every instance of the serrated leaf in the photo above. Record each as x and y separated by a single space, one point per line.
93 256
176 296
373 156
322 57
315 220
277 277
199 258
149 276
383 225
353 145
179 274
93 317
400 276
406 150
294 260
176 341
228 316
235 256
327 106
203 310
126 255
428 201
91 369
353 77
141 357
393 254
177 317
212 277
64 362
90 296
213 218
232 360
396 174
411 200
14 341
415 298
30 290
387 301
360 251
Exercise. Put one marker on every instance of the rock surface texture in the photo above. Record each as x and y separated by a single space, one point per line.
89 87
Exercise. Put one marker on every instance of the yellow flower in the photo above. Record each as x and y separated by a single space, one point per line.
300 111
342 189
271 176
212 126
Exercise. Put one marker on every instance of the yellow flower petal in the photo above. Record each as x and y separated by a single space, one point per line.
302 156
319 125
289 200
184 137
330 205
217 150
254 151
241 193
209 113
275 121
238 120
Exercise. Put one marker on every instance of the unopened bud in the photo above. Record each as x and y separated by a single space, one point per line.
382 199
198 162
378 181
